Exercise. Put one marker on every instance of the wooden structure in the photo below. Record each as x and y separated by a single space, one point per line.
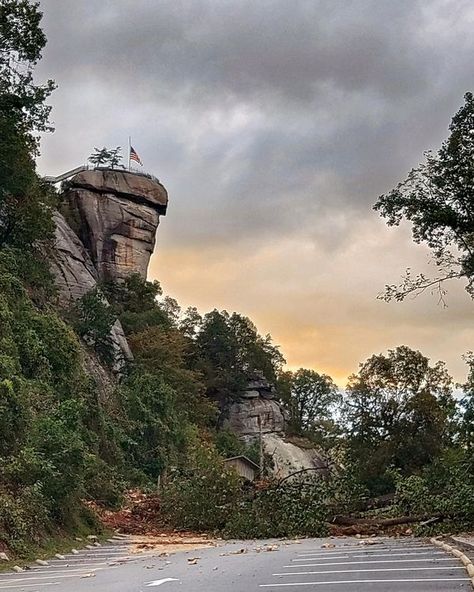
245 467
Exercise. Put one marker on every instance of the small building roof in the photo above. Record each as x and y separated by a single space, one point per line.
244 459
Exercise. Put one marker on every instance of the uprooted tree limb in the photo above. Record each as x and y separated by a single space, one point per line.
349 521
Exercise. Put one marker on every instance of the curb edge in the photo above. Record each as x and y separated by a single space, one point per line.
465 560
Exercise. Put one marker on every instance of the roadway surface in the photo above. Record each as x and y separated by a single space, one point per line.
271 566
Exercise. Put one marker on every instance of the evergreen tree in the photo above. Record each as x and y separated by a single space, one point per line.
229 351
106 157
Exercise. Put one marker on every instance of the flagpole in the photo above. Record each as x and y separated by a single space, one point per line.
129 150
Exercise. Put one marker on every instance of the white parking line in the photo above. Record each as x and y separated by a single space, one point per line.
22 586
69 561
371 547
359 550
310 558
347 582
101 554
40 571
46 568
376 561
84 558
79 565
308 573
48 577
103 550
375 555
78 558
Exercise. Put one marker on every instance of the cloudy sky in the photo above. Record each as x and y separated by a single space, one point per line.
274 126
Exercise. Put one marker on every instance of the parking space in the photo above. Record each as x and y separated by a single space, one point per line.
324 565
80 565
386 567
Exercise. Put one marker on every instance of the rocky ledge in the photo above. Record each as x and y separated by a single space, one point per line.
138 187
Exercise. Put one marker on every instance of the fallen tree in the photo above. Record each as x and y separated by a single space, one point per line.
381 522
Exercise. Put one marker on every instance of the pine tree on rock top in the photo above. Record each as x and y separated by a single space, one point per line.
106 157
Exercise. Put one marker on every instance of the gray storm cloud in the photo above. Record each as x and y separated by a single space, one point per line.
337 99
268 121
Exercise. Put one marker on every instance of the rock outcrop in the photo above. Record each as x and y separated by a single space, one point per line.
257 414
115 215
106 231
250 417
287 457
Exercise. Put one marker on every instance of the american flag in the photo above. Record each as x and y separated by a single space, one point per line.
134 156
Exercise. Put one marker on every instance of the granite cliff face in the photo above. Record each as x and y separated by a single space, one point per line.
72 266
116 215
106 231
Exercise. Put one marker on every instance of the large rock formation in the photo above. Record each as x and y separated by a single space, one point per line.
107 232
116 214
256 415
255 412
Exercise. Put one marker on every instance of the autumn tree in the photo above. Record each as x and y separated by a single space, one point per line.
437 198
398 412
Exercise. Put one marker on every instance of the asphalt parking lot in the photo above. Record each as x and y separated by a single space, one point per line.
323 565
63 573
390 566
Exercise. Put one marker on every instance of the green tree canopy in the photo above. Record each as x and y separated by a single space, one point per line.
93 319
398 412
24 214
21 43
310 399
438 199
467 405
229 351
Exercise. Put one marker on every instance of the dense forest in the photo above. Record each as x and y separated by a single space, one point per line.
401 426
